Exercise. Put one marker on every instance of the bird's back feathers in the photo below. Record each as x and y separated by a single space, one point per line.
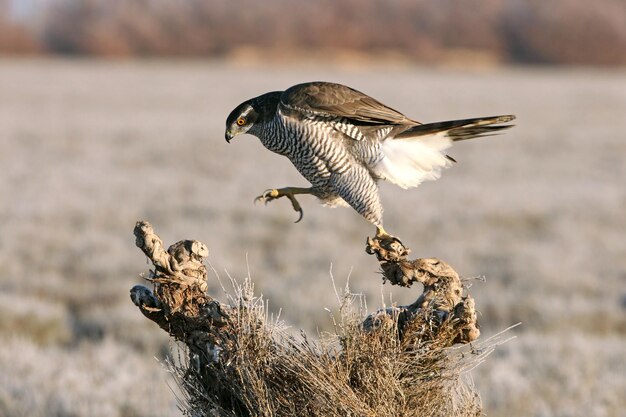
339 101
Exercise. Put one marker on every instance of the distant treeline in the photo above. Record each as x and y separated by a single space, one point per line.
522 31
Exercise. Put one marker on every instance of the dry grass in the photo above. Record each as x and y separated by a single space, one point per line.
91 379
271 372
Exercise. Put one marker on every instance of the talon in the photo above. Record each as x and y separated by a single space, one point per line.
296 206
381 234
387 245
301 212
267 196
289 192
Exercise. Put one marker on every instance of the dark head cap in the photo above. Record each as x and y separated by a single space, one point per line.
250 113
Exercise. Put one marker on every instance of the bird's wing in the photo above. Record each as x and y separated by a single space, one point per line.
322 99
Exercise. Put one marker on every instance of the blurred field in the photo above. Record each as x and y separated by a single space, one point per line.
89 147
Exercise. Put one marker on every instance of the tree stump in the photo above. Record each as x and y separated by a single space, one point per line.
239 364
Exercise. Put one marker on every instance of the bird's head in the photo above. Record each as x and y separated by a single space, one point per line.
250 114
240 120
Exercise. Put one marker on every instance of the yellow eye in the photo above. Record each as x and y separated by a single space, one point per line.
241 121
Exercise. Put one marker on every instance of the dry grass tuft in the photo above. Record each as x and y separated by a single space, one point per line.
345 372
241 362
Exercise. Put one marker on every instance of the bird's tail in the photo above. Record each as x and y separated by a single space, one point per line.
461 129
417 154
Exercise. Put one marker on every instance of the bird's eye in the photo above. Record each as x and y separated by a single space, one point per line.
241 121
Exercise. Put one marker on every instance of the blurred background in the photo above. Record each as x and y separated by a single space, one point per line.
113 111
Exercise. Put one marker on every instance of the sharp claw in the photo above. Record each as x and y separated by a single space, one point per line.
265 197
274 194
301 212
296 206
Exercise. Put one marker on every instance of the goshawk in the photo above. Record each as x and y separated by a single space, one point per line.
343 142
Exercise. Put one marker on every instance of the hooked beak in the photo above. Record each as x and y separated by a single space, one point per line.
229 136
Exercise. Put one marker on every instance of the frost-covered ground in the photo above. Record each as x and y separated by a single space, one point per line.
88 148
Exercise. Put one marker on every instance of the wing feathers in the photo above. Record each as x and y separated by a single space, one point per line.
336 100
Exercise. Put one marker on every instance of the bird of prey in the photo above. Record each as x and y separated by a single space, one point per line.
344 142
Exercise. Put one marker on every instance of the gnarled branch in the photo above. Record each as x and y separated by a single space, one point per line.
442 297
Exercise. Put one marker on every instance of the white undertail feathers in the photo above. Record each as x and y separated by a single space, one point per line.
410 161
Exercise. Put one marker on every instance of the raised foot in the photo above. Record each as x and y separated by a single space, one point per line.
276 193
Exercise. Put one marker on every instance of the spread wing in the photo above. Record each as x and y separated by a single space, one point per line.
331 100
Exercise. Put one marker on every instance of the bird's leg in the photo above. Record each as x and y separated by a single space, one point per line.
381 233
383 236
386 246
289 192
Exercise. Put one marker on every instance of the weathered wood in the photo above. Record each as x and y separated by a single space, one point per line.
442 296
238 366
